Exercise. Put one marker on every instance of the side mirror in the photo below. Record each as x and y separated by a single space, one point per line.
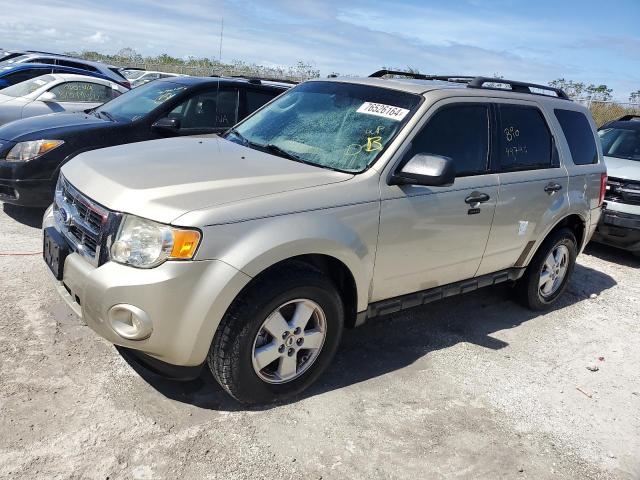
425 169
48 97
167 125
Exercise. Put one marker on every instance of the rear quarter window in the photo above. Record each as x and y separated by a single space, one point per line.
577 131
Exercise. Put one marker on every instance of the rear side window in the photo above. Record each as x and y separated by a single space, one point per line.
577 131
83 92
460 132
524 139
23 75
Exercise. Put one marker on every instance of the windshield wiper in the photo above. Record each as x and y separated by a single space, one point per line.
106 114
283 153
243 139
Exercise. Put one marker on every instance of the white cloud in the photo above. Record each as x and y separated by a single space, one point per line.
98 37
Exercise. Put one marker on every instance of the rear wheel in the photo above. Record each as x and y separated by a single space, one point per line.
549 272
278 336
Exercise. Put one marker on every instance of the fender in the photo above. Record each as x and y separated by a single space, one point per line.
348 234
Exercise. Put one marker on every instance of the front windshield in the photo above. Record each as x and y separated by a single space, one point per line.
621 142
335 125
29 86
137 103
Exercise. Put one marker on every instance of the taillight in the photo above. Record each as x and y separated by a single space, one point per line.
603 188
126 84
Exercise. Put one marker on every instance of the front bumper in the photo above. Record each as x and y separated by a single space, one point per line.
619 228
184 301
27 193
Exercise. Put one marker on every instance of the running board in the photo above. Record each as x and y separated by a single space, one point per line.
412 300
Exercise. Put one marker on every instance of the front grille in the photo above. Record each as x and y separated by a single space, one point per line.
86 225
623 191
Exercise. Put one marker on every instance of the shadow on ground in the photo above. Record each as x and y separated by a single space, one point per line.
31 217
613 255
389 343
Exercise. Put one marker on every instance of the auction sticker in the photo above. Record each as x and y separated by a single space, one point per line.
381 110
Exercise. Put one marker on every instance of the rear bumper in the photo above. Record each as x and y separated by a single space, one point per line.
619 229
27 193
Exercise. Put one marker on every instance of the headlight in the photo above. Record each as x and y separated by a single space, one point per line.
25 151
145 244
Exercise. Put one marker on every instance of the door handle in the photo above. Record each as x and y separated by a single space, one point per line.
552 187
477 197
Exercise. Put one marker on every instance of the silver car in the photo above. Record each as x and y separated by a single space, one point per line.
55 93
620 223
339 201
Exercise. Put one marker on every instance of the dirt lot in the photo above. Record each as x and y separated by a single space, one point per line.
472 387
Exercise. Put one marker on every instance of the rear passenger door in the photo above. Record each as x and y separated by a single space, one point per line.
533 184
432 236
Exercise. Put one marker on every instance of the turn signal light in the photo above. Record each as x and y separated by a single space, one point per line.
185 243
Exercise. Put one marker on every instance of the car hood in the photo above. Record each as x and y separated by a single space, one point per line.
39 126
164 179
622 168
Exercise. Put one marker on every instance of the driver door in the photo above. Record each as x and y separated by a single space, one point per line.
432 236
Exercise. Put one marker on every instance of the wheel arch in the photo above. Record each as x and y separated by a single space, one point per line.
574 221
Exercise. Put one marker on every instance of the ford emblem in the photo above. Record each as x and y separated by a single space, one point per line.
64 215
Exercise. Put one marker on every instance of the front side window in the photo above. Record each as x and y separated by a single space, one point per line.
334 125
619 142
141 101
577 131
212 109
82 92
460 132
256 99
523 138
27 87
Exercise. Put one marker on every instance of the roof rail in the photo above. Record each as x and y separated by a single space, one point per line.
626 118
476 82
520 87
258 80
421 76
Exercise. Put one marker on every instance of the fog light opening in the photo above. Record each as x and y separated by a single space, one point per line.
131 323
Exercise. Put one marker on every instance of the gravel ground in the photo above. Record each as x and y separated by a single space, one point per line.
471 387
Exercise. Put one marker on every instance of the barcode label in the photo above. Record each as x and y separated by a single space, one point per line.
385 111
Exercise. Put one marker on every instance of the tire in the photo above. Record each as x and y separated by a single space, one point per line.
529 291
233 358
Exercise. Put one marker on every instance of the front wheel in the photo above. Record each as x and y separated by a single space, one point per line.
549 272
278 336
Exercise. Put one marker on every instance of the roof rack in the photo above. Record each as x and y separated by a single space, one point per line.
421 76
520 87
477 82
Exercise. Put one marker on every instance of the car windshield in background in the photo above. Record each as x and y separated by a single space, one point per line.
621 142
13 60
132 74
334 125
29 86
139 102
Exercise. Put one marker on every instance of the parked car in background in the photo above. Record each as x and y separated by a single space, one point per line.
32 150
140 77
620 223
106 71
339 201
12 74
55 93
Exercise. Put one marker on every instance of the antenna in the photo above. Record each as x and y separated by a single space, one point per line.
221 34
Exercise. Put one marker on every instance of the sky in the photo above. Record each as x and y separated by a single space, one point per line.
536 41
